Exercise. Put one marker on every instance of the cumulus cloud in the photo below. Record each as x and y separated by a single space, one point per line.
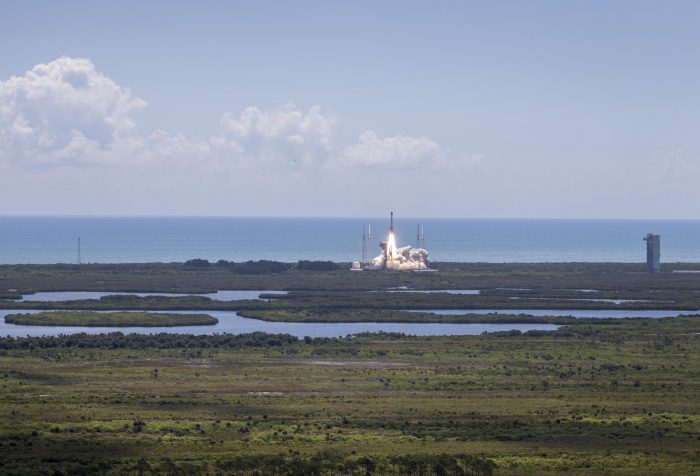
63 112
67 132
66 112
289 135
396 152
675 171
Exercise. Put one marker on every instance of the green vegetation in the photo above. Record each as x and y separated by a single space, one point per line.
118 340
612 396
247 267
503 286
611 279
305 301
318 265
127 303
110 319
371 315
613 399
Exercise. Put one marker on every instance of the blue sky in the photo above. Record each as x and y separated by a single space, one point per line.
489 109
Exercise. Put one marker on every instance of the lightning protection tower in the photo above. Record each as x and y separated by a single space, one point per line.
364 244
420 237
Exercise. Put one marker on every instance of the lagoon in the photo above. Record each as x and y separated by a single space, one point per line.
231 295
594 313
230 322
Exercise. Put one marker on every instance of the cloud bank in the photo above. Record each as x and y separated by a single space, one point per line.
63 112
397 152
66 113
287 136
69 144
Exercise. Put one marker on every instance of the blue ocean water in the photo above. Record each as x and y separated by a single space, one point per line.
166 239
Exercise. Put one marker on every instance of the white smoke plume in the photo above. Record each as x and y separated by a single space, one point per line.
405 258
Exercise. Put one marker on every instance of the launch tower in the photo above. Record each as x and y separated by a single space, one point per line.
653 252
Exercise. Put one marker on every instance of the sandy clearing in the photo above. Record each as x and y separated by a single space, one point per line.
354 363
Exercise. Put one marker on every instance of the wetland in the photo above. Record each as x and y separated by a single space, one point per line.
587 395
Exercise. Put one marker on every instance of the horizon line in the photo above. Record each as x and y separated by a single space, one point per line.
327 217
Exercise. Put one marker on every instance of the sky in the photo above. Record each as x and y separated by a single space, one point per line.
498 109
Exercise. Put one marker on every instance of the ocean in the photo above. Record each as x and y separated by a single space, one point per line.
167 239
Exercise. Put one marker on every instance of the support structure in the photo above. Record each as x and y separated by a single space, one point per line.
420 237
366 243
653 252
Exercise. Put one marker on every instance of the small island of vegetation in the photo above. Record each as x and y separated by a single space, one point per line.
110 319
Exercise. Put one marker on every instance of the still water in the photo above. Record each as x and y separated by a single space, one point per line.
230 322
600 313
77 295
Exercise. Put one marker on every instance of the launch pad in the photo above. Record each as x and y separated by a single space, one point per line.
394 257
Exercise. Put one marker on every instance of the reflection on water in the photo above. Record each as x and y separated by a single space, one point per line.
613 313
431 291
77 295
612 301
231 322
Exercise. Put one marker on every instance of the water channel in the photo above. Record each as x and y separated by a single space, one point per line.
231 322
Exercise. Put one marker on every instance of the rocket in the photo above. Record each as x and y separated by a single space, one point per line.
391 227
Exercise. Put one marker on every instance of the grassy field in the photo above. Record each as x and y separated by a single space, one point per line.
613 399
598 396
110 319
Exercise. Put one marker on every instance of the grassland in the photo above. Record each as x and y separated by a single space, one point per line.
614 399
598 396
110 319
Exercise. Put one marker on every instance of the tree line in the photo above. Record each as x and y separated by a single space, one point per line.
118 340
263 266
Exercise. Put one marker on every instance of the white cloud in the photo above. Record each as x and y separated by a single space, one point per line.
63 112
396 152
67 113
678 166
276 137
68 128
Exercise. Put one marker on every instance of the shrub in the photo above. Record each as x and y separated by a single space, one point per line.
259 267
317 265
198 262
